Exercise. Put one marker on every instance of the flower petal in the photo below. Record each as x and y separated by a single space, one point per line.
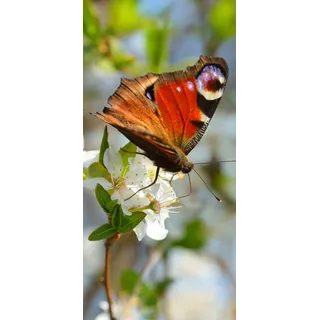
113 161
92 183
117 196
155 231
138 174
165 192
140 230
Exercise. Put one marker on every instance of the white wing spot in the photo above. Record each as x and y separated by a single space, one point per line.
204 118
190 85
211 95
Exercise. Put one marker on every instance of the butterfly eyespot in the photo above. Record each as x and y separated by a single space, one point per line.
211 82
150 93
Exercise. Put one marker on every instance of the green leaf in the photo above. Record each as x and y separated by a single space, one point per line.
97 170
163 285
104 145
148 295
129 280
111 205
118 58
103 197
194 236
157 45
222 18
91 25
103 232
219 180
130 222
117 217
123 16
128 151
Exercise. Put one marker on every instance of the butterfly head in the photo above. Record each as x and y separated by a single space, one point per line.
187 167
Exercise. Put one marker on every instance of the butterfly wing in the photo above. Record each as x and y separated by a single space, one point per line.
187 100
167 114
132 111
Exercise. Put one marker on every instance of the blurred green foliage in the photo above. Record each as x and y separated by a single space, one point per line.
157 51
91 24
101 44
222 19
128 281
194 237
124 17
103 34
149 294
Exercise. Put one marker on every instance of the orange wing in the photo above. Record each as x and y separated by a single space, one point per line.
187 100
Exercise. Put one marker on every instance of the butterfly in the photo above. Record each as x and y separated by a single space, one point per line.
167 114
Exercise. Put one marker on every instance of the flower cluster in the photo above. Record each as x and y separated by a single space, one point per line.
123 173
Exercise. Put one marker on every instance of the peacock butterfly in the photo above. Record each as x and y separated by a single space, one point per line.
167 114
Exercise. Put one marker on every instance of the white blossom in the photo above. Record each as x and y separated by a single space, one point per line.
122 187
162 202
156 201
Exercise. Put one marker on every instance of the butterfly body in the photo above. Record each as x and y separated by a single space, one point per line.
167 114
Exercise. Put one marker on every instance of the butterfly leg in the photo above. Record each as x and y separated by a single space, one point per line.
151 184
170 182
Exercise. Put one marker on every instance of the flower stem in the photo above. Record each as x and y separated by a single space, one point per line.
140 208
107 278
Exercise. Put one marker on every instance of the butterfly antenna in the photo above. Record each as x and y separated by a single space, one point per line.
149 185
190 190
206 185
215 162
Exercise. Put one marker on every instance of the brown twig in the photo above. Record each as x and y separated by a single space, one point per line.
107 278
